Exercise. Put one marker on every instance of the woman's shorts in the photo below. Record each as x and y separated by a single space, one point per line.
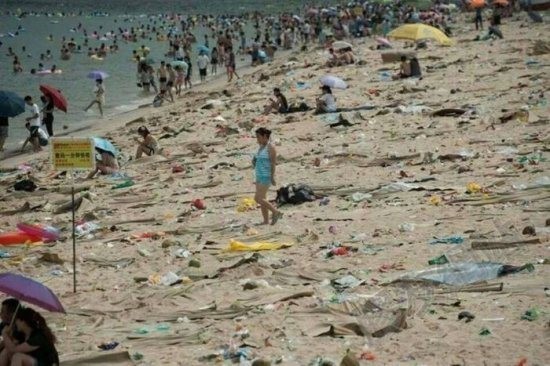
264 181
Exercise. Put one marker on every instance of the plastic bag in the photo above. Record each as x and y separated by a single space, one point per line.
246 204
237 246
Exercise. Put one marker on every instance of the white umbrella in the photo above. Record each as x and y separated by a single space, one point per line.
333 82
339 45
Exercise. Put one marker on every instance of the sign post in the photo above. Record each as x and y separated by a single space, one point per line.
72 154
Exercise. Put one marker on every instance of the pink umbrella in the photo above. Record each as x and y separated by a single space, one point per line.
31 291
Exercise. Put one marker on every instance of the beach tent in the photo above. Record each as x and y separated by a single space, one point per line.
418 32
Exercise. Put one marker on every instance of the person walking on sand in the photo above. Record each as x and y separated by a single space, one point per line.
230 65
203 62
214 61
171 81
99 99
162 75
479 19
34 123
187 81
264 163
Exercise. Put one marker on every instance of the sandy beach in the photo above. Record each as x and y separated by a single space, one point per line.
446 165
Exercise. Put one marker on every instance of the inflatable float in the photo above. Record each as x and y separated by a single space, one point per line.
46 232
17 237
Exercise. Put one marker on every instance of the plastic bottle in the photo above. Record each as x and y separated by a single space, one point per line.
438 260
125 184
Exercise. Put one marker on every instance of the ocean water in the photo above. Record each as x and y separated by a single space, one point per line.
121 92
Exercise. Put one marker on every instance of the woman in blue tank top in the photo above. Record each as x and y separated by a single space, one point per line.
264 163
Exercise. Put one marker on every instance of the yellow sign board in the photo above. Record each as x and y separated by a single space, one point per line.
70 153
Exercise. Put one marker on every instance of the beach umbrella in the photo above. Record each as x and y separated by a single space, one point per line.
477 4
11 104
181 64
98 74
418 32
203 48
333 82
339 45
31 291
106 145
58 99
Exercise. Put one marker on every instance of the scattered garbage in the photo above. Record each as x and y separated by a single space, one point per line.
484 332
406 227
464 273
246 204
86 228
236 246
442 259
466 315
530 315
108 346
454 239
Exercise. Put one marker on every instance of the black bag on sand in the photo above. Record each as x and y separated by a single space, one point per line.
25 185
295 194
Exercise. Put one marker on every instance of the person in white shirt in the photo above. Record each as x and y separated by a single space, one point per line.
326 103
203 62
34 122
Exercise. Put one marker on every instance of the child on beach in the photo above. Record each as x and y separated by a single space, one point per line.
264 163
148 146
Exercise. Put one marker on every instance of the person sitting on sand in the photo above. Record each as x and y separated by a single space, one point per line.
279 104
106 165
148 146
334 58
326 103
416 72
404 69
38 347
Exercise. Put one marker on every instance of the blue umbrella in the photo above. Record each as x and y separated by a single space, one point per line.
203 49
11 104
98 74
106 145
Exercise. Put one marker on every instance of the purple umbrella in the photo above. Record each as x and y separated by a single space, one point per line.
98 74
31 291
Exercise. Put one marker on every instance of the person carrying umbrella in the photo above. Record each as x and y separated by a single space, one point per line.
9 308
99 99
38 347
47 113
106 165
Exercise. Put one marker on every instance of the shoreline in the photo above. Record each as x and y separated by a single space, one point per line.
14 157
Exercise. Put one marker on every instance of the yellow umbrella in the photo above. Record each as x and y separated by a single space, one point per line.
418 32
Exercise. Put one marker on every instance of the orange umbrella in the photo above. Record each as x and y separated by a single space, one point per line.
477 3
